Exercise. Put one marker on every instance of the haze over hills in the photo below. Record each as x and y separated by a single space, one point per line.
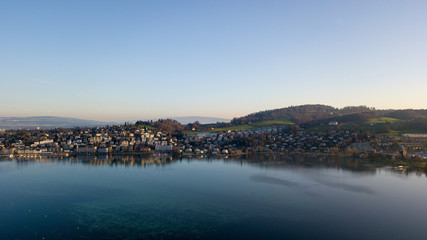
202 120
191 119
45 122
307 116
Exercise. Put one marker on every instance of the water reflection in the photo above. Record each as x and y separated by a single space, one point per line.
262 196
264 161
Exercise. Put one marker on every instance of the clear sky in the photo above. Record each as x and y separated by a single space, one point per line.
126 60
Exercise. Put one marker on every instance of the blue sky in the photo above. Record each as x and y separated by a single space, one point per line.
128 60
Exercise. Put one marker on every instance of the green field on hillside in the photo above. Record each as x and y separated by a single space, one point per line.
273 123
232 128
383 120
262 124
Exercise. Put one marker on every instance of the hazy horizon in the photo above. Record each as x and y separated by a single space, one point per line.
129 60
179 118
125 120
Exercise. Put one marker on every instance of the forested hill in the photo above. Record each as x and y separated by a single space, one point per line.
319 114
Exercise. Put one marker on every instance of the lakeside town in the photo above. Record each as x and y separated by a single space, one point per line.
143 139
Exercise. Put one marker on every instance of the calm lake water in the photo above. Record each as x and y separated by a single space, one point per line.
135 198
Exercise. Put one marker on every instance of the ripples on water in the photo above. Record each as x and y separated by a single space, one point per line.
268 197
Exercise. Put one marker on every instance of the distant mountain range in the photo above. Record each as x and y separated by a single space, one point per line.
45 122
306 116
202 120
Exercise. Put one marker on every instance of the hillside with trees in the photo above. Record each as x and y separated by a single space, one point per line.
309 113
360 117
296 114
315 117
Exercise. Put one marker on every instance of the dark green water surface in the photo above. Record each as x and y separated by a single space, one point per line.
135 198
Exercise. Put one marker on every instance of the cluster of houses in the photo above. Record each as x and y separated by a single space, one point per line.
88 141
135 140
271 139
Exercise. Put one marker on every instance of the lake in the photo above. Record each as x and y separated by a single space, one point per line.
134 197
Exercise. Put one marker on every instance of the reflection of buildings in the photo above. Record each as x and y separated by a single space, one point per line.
265 161
126 160
268 161
106 160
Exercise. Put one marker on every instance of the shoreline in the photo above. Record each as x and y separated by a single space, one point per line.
420 164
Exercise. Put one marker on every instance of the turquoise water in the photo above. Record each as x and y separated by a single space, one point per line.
133 198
